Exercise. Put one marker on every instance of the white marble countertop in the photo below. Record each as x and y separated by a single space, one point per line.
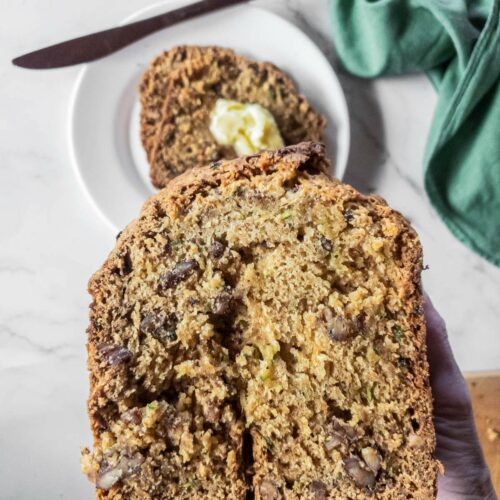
51 239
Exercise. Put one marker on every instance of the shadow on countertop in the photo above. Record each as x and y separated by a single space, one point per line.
367 153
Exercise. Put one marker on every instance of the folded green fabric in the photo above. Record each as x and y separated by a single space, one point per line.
457 42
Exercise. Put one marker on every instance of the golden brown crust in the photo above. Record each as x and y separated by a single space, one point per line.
390 453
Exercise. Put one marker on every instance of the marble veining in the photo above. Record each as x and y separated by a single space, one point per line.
51 240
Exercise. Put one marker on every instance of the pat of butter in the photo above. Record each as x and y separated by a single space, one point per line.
249 128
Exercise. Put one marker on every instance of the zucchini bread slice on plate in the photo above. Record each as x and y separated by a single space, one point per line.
179 93
258 332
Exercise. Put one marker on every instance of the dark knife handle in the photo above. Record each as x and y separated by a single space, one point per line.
96 45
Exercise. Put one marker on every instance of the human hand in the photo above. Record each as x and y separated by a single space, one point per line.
458 449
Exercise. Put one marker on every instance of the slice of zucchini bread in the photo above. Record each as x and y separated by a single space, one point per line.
258 333
183 138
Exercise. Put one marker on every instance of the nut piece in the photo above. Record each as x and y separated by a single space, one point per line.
332 442
361 477
166 334
132 416
318 489
114 355
371 458
223 302
326 244
339 328
268 490
180 272
151 322
108 478
340 434
160 327
110 475
216 250
348 216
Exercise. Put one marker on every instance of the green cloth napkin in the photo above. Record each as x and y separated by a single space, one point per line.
457 42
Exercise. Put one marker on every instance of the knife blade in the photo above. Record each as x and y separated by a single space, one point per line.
102 43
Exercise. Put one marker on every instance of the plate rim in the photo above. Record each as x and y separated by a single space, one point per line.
136 15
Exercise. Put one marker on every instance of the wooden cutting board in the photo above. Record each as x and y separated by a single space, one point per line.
485 393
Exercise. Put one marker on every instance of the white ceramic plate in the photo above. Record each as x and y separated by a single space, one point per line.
104 113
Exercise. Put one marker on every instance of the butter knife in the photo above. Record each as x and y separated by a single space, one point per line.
96 45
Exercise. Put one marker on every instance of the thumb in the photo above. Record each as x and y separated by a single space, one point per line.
448 385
